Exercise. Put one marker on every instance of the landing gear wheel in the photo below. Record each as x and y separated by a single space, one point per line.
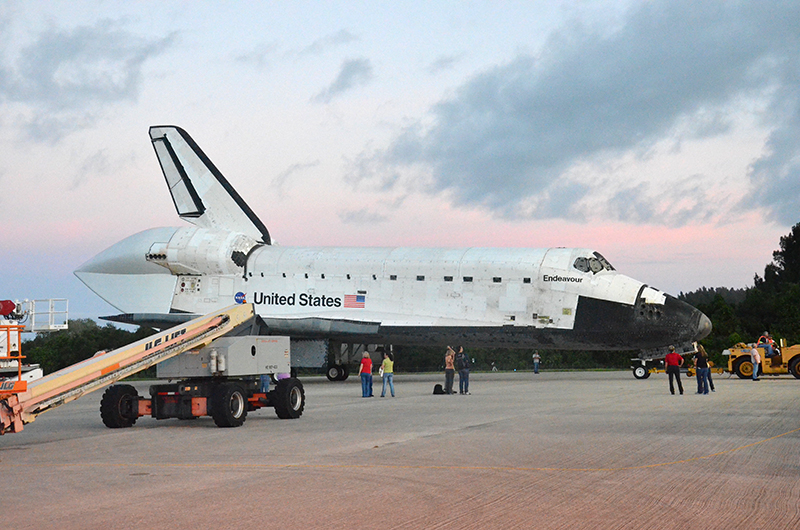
345 372
119 407
289 399
743 368
640 372
334 372
794 367
228 405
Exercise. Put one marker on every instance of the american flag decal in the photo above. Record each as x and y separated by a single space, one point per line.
355 300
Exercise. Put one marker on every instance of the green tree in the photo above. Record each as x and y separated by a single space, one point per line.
785 268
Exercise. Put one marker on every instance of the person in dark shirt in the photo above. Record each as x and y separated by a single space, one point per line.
702 370
673 362
710 379
462 364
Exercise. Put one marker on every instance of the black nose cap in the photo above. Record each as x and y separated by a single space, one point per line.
703 327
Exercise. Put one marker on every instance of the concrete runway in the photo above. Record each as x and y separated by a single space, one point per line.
554 450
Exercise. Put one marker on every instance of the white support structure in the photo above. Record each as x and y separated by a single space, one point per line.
45 315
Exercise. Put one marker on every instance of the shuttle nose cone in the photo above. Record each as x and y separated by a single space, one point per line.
122 276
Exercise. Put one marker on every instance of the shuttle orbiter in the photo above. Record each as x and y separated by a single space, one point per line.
551 298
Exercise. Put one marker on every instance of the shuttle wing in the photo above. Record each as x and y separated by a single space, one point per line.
201 194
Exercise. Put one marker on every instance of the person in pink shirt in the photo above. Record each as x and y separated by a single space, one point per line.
755 358
449 370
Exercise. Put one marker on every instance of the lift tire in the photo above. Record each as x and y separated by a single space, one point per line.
289 399
794 367
345 372
743 368
334 372
640 372
228 405
119 407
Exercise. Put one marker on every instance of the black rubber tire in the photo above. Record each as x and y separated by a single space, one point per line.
228 405
794 367
345 372
119 407
743 368
640 372
334 372
289 399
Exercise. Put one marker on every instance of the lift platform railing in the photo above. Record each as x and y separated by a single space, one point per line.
103 369
11 334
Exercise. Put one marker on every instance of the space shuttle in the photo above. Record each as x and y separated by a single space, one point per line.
548 298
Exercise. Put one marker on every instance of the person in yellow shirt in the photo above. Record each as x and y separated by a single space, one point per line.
387 368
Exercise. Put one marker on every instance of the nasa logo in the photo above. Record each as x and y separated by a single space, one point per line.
239 298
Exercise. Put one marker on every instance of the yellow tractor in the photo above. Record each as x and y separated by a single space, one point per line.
739 363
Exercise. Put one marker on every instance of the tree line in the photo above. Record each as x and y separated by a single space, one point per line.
738 315
771 304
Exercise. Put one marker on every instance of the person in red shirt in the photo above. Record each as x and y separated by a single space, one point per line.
674 363
366 375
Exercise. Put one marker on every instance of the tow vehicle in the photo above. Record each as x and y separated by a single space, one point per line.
740 363
652 361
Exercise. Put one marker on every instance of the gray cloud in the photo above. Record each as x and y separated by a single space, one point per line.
447 62
67 77
513 139
352 73
279 182
340 38
776 175
259 55
362 216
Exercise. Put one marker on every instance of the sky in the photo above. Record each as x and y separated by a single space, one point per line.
664 134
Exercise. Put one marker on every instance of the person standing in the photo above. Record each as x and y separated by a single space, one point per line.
755 358
536 360
673 361
449 370
462 363
702 370
365 369
387 367
710 379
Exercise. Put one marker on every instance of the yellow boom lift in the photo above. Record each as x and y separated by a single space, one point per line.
226 377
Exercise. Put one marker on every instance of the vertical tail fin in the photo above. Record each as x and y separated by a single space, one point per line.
200 193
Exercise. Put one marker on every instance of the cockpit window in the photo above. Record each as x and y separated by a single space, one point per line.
593 264
582 264
603 261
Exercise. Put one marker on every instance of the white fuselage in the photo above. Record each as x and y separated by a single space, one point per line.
517 296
